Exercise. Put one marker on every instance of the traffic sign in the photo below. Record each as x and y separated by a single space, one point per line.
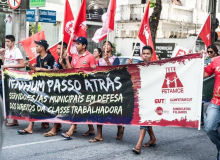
47 16
30 15
37 3
14 4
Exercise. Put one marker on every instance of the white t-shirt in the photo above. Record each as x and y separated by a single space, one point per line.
12 57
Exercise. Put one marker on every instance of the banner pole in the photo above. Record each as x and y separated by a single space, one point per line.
134 48
194 42
107 41
3 92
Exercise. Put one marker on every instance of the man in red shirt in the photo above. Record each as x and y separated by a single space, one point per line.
83 58
213 111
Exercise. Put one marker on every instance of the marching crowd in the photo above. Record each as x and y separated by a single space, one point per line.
12 59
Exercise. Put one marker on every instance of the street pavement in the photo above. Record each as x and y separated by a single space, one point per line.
174 143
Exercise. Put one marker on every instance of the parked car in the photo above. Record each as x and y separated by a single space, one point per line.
123 59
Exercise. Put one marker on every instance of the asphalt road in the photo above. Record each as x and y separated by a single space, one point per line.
173 144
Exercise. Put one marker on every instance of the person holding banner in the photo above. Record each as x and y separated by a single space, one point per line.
83 58
61 60
97 54
12 59
212 51
61 65
147 54
108 60
213 111
45 62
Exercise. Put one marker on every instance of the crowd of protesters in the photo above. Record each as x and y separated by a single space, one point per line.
13 59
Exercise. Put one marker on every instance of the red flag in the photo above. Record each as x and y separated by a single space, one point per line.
108 20
205 32
53 51
30 46
68 23
144 33
80 24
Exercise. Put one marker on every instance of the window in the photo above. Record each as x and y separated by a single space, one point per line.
143 1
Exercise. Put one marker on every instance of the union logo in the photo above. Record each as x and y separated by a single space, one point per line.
159 111
69 27
83 26
146 33
172 83
34 51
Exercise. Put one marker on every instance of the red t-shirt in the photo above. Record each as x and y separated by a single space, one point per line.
97 62
86 60
214 68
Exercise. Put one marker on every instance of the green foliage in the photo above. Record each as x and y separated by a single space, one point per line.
152 3
114 52
33 27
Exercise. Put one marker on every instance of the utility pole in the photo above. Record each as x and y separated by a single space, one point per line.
212 10
37 19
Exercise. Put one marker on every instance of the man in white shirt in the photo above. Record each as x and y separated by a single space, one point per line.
12 59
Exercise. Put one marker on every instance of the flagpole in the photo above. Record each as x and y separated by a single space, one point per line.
34 57
61 53
71 38
107 41
199 32
134 48
194 42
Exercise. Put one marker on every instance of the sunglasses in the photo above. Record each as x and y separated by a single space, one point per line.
209 51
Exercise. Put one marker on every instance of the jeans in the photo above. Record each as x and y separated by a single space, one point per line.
144 127
202 115
212 122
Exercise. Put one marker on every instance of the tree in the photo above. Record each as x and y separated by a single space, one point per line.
155 17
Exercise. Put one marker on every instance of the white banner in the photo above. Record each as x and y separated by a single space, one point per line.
171 92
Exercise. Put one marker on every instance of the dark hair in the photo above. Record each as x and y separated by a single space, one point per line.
109 43
64 44
48 51
149 48
159 56
100 51
10 37
214 48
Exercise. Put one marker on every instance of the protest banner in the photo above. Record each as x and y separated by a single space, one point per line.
161 93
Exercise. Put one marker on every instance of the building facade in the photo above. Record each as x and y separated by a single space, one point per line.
178 25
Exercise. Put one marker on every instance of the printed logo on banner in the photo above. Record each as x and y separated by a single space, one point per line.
172 83
181 100
181 53
159 111
69 27
160 101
